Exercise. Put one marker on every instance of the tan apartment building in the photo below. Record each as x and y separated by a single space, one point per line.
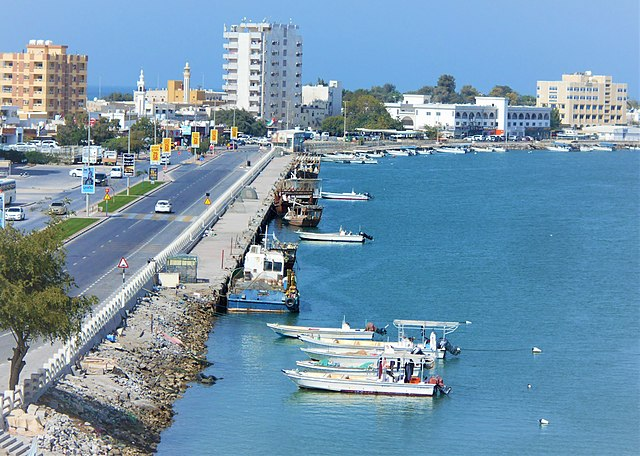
44 81
584 99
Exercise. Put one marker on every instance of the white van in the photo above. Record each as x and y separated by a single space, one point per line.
116 172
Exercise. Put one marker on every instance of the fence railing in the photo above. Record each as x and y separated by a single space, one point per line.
110 315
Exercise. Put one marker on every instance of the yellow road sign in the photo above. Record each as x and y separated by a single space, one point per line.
207 201
107 197
195 139
166 145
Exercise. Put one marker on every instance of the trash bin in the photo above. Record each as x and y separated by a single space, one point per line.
248 163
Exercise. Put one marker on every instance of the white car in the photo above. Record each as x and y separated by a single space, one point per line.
75 172
116 172
14 213
163 206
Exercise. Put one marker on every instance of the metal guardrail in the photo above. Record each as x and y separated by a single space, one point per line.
94 329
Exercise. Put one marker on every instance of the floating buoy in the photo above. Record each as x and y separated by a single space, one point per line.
543 422
529 385
536 350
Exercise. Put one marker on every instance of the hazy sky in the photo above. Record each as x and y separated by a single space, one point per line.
362 43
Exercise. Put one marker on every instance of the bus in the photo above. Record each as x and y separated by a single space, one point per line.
8 188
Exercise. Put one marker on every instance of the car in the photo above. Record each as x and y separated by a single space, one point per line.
14 213
116 172
57 208
75 172
163 206
101 180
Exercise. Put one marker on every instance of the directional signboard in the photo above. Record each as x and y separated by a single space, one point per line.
153 173
214 136
166 145
88 180
154 157
129 165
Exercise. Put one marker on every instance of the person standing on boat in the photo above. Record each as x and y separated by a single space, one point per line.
433 342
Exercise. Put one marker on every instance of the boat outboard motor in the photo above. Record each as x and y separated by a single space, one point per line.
446 345
365 235
369 195
381 331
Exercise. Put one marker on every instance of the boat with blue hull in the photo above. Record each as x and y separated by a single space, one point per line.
263 284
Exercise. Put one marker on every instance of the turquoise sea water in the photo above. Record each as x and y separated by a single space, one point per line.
536 249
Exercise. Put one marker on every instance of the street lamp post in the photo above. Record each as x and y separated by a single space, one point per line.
344 127
128 149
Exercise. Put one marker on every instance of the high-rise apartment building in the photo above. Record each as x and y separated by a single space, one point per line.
263 70
584 99
44 79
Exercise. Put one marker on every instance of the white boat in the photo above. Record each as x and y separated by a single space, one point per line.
481 149
559 148
585 148
339 157
346 196
340 236
346 345
366 368
344 332
400 383
426 330
364 161
603 147
450 150
379 154
498 149
423 151
355 358
398 153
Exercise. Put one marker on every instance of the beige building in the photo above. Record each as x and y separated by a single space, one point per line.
44 80
584 99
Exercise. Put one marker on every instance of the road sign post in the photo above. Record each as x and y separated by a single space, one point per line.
128 167
122 264
107 197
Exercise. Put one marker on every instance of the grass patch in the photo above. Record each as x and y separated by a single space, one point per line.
116 202
143 187
71 226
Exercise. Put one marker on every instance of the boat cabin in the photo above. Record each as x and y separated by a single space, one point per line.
264 264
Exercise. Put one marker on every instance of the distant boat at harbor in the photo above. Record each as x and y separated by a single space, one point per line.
340 236
353 196
306 215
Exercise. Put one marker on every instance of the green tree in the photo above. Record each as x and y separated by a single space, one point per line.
73 131
334 125
244 120
468 94
366 111
386 93
425 90
505 91
445 91
554 121
34 288
526 100
118 96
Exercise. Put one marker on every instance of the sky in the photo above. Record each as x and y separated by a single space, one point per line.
360 43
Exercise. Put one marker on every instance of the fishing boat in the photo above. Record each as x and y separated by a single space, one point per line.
423 151
604 147
376 154
586 148
481 149
352 196
304 215
340 236
450 150
498 149
367 368
288 249
345 331
263 284
404 381
559 147
334 343
363 161
338 157
398 153
354 358
427 331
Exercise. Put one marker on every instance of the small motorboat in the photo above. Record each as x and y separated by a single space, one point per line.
351 196
343 332
340 236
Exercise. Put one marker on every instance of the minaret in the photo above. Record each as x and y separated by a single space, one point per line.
186 85
139 97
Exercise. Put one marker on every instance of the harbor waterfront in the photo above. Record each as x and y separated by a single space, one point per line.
535 248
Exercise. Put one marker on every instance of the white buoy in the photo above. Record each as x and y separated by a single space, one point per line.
543 422
529 385
536 350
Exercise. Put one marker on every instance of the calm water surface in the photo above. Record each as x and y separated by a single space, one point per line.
536 249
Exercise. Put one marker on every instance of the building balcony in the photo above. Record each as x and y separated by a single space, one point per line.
230 56
255 67
254 77
255 46
254 98
230 66
230 87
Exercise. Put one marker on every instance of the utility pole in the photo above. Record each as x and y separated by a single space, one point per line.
88 156
344 133
128 151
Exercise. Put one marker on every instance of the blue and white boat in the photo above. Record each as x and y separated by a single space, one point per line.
263 284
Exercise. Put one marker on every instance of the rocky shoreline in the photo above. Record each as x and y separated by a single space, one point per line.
119 397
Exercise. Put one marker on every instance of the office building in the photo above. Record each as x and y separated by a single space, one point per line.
44 81
584 99
263 71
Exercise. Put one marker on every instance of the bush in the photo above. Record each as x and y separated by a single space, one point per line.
37 158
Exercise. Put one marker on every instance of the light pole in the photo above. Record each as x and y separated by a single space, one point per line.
128 152
88 155
344 127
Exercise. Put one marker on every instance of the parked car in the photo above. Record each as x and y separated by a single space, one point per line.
14 213
75 172
116 172
57 208
163 206
101 180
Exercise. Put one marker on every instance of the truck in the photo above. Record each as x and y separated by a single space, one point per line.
109 157
92 155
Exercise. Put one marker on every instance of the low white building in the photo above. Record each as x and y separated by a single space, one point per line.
489 116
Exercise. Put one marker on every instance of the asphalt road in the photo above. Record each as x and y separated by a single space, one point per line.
136 233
